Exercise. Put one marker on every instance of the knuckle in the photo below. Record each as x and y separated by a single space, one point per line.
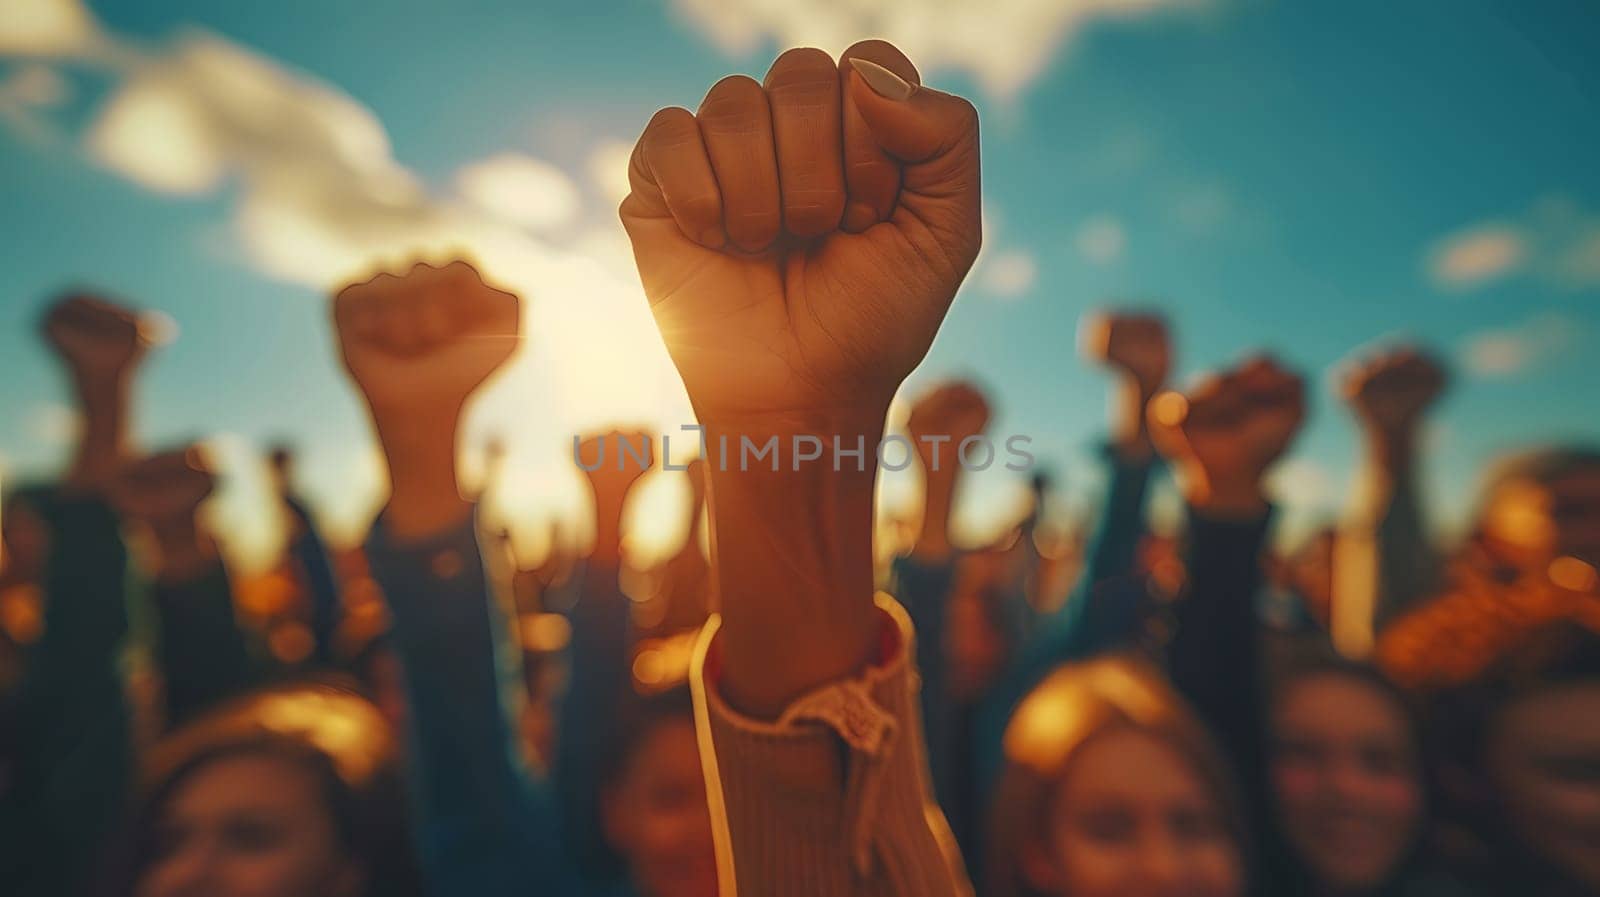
699 206
736 104
802 75
669 127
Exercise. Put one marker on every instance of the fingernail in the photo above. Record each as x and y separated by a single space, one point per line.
882 81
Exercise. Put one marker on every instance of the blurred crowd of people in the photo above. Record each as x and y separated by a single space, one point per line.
1109 707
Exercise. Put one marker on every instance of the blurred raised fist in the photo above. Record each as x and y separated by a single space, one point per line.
423 341
800 238
1133 344
611 467
1390 391
1225 433
611 463
954 410
96 339
166 489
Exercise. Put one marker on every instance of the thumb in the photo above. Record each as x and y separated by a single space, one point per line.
934 135
912 123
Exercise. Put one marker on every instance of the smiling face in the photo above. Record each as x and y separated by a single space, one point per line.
1544 760
249 825
657 817
1132 817
1346 775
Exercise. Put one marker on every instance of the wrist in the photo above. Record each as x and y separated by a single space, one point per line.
607 544
1391 448
792 549
1130 431
101 387
1239 495
933 538
424 494
185 550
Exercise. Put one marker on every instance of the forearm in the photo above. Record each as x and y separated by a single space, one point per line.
1130 428
425 496
185 551
598 671
310 553
1214 657
73 764
483 818
1388 522
204 655
933 537
85 585
792 550
103 405
1121 525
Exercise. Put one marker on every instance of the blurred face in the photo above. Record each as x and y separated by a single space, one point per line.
248 826
657 817
1544 760
1346 775
1530 523
1132 818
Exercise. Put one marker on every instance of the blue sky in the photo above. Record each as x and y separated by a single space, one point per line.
1308 177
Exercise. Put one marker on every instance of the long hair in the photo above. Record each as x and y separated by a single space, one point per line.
1050 727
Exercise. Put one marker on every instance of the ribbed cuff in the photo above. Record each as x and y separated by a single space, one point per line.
833 798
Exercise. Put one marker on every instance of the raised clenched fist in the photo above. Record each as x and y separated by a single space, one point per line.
421 342
164 490
941 419
613 462
1391 391
1224 434
1133 344
800 238
96 339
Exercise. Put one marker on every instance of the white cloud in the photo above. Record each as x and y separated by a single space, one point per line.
1004 44
520 189
1303 482
1507 352
1101 240
44 27
317 198
51 425
25 95
1009 274
1556 241
1477 256
608 170
157 137
36 84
